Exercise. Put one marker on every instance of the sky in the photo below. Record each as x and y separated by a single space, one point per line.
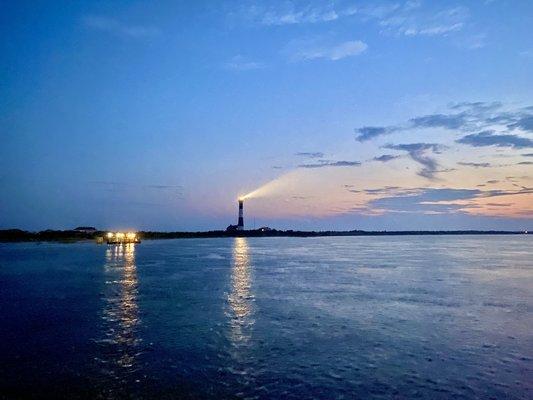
375 115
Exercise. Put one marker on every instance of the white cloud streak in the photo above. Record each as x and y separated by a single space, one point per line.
410 18
240 63
291 14
333 52
417 21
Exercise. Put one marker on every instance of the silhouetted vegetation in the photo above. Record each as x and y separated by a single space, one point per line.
17 235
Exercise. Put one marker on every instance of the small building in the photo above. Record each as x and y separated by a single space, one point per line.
232 228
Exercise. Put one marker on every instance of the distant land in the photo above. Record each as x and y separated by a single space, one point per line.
18 235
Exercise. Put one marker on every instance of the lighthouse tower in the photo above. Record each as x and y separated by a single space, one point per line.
240 224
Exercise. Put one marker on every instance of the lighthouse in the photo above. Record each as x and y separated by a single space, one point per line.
240 224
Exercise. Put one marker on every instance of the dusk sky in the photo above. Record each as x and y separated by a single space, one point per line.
356 115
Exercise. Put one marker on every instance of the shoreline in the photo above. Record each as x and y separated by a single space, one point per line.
69 236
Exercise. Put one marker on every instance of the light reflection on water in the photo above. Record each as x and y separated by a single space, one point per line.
240 299
241 318
120 314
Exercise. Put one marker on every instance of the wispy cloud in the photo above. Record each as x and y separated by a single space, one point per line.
525 123
240 63
473 41
475 165
316 154
132 190
111 25
412 19
328 163
369 132
305 51
422 200
290 13
453 121
419 153
490 138
117 184
464 117
164 187
385 158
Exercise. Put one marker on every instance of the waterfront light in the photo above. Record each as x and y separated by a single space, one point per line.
122 237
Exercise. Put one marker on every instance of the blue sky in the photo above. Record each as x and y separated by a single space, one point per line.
369 115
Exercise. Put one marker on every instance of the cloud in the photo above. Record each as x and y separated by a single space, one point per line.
422 200
334 52
490 138
239 63
392 190
454 121
385 158
433 200
110 25
413 20
133 185
476 106
478 115
525 123
310 154
293 14
327 163
475 165
370 132
468 117
164 187
473 42
418 152
409 19
496 193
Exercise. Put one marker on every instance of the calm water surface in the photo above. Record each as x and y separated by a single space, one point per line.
357 317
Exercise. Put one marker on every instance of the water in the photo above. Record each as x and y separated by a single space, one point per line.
354 317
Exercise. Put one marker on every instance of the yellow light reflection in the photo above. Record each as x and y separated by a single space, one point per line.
240 299
120 316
